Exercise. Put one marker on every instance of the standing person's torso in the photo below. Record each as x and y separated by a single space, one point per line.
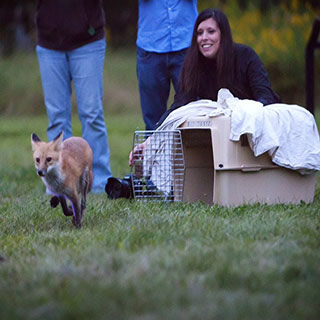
69 24
166 25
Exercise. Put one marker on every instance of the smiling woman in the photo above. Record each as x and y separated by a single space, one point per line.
215 61
208 38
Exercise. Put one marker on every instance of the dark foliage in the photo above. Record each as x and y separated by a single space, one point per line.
122 18
17 29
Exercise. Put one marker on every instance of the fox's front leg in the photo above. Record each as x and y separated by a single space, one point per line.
83 205
54 201
76 213
84 192
67 210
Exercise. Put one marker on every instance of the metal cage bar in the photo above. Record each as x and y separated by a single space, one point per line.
158 171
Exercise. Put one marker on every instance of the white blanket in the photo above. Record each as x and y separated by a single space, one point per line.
193 109
287 132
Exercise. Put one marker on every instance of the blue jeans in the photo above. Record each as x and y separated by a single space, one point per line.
83 66
155 72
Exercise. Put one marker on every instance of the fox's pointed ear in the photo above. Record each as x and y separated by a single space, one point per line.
57 141
34 140
60 135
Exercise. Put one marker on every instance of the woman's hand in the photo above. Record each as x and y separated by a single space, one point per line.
137 153
136 158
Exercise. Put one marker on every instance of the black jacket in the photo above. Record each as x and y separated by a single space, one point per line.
69 24
250 81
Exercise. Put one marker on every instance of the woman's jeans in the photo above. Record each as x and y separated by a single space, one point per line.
84 67
155 72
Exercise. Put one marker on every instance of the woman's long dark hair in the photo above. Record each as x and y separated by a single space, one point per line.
195 63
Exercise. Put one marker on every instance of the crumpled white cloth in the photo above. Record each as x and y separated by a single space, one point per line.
287 132
194 109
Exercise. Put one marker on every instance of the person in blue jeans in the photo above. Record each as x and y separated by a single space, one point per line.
164 34
71 49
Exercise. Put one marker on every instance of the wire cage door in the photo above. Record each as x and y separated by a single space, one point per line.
158 171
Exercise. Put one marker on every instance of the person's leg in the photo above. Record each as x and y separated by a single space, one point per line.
86 65
56 85
154 85
176 60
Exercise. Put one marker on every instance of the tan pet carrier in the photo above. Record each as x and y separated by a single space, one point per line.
198 162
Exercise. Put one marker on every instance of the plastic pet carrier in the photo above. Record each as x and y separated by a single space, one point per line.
225 172
199 162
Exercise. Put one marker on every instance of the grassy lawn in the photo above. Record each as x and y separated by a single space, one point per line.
135 260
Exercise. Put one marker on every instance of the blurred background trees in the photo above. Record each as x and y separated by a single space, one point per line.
277 29
17 19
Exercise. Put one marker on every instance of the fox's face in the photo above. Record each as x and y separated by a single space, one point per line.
45 155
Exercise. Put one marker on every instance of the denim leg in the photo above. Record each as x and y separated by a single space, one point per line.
176 60
86 65
56 85
154 85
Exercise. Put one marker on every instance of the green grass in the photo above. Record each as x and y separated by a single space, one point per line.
136 260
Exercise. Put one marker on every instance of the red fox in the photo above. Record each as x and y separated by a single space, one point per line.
65 167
